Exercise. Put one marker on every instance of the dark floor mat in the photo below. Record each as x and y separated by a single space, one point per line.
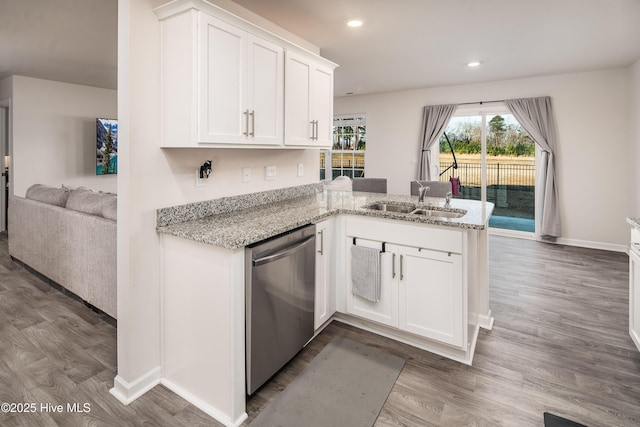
551 420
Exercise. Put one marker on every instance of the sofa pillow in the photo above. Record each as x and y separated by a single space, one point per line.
49 195
94 203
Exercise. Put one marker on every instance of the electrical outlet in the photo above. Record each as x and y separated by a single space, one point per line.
269 173
246 174
300 169
200 182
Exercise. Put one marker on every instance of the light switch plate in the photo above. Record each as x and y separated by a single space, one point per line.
269 173
300 169
246 174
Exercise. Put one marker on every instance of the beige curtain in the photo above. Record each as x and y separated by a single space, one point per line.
434 121
536 117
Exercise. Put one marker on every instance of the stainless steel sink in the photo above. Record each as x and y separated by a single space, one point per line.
436 213
412 209
390 207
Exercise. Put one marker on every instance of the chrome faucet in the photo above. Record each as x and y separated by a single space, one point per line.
447 198
422 190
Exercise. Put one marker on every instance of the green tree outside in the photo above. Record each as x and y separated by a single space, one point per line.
502 139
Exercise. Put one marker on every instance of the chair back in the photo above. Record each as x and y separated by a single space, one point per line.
436 188
371 185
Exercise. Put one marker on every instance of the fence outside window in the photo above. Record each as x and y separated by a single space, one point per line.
510 186
498 174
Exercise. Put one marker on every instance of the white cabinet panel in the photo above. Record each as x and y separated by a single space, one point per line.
241 81
265 87
322 105
325 302
308 102
297 100
384 311
431 295
222 76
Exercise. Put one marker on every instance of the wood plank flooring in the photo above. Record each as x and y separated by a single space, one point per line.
560 344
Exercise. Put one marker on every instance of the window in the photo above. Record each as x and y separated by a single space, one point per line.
507 174
346 157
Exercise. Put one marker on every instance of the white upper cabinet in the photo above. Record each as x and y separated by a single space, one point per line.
241 86
308 102
223 83
265 91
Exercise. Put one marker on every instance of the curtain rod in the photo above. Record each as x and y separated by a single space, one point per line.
482 102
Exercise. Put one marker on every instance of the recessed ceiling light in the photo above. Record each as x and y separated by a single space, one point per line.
354 23
473 64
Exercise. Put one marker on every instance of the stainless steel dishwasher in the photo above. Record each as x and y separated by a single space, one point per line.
280 293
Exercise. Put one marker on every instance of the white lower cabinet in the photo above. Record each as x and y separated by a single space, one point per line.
384 311
325 298
431 297
422 292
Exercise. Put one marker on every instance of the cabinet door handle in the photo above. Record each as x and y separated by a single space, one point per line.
316 130
321 233
313 129
246 123
401 273
253 123
393 266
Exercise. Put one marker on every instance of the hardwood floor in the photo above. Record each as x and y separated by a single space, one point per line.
560 344
54 349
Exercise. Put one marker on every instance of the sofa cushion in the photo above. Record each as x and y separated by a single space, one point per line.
94 203
49 195
110 210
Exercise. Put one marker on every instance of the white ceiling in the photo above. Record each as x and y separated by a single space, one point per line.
73 41
407 44
403 44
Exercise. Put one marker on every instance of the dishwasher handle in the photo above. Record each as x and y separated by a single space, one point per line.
283 253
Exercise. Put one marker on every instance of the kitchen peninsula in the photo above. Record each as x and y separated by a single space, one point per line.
434 286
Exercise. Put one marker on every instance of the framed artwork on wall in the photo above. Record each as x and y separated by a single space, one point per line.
106 146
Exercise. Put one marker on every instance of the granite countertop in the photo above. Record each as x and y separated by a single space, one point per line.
236 228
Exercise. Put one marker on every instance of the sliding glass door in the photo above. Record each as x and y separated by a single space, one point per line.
492 158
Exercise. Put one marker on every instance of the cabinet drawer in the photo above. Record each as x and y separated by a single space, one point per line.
417 235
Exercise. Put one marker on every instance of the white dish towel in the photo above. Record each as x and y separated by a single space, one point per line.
365 272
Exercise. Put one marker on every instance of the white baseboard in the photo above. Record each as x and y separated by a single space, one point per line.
592 245
635 338
205 407
457 354
486 321
127 392
511 233
561 240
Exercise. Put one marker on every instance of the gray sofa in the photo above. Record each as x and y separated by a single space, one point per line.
69 236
